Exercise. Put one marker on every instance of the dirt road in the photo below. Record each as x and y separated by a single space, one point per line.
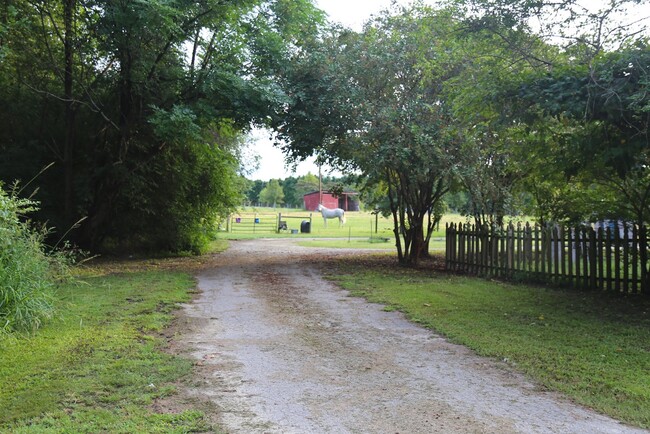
280 350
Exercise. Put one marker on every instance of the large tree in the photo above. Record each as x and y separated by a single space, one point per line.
608 109
141 105
272 194
373 102
534 77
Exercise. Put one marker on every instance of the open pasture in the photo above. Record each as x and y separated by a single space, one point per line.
358 224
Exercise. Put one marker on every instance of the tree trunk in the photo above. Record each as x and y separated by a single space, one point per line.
69 115
643 255
417 244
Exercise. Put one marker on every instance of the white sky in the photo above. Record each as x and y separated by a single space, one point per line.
350 13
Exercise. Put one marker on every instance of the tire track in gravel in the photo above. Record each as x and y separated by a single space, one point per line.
280 350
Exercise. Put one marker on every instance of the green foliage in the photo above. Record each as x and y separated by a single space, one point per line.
296 188
175 201
292 198
594 125
373 102
563 125
141 106
272 194
590 347
610 98
27 272
253 191
100 365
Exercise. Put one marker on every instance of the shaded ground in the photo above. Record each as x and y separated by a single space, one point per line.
280 350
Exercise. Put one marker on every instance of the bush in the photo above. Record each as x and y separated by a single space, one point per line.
173 203
26 270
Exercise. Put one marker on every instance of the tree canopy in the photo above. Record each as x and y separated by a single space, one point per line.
524 105
373 102
141 106
272 194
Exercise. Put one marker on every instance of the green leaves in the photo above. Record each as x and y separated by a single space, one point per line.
26 271
177 125
373 102
142 106
596 125
272 194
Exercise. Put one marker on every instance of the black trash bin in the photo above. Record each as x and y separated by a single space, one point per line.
305 227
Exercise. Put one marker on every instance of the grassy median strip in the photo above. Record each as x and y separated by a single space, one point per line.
592 347
99 365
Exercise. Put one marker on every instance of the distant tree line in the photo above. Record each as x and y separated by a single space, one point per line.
289 192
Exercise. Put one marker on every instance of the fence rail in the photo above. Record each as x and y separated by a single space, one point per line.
265 223
252 225
582 257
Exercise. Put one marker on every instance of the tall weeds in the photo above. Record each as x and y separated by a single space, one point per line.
27 272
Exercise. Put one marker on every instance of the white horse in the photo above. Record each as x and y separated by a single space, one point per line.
331 214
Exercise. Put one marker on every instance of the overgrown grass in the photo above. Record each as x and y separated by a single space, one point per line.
99 365
595 348
27 272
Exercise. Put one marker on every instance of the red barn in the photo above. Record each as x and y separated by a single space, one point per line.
346 201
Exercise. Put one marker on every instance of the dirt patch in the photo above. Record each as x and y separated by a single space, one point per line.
278 349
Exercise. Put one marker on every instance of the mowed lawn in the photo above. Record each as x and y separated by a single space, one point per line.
358 224
100 364
592 347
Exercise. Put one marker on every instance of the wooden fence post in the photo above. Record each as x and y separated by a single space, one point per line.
608 257
626 259
592 259
601 259
643 256
578 255
560 254
555 242
537 252
495 251
583 257
635 259
617 260
571 246
447 249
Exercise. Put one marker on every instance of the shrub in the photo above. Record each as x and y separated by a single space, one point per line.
26 270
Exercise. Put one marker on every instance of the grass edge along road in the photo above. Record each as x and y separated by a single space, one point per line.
594 348
100 364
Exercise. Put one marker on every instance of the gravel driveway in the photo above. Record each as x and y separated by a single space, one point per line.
280 350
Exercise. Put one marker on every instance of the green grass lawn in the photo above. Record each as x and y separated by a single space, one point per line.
100 364
359 224
388 243
594 348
